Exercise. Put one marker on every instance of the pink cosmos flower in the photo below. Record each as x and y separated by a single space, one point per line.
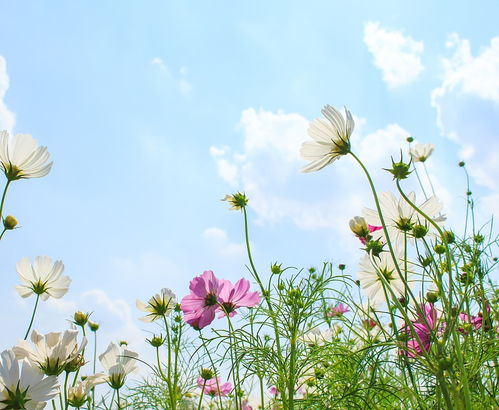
200 305
273 391
214 387
423 326
236 296
337 311
372 229
475 321
245 405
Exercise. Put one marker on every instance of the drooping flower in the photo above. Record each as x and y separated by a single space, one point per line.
77 395
200 305
338 310
52 352
22 157
331 139
159 306
118 363
400 217
424 326
24 387
371 271
236 296
421 152
43 277
214 387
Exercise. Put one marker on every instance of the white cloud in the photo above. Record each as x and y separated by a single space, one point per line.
396 55
7 118
218 239
467 106
180 81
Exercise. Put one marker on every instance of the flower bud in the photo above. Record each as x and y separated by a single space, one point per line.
358 226
374 247
75 364
156 341
276 268
431 297
94 326
123 343
341 266
462 164
206 374
9 222
478 238
80 318
448 236
440 249
445 363
409 139
419 231
425 261
400 170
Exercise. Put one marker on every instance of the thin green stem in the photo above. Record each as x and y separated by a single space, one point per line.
32 317
94 366
203 340
429 179
66 390
169 370
3 199
201 395
118 401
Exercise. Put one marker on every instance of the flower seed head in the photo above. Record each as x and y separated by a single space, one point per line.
400 170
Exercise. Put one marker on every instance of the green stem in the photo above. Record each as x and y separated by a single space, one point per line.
118 399
95 361
66 390
203 340
429 179
201 395
32 317
169 370
3 199
266 296
234 360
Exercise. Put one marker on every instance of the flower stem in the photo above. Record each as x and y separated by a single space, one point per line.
3 199
201 395
32 317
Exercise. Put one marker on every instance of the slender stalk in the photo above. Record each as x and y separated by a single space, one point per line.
3 232
118 401
3 199
235 362
201 395
32 317
429 179
95 361
66 390
169 370
203 340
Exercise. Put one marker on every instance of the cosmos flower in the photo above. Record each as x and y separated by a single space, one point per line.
24 387
200 305
21 157
52 352
400 217
424 325
337 311
214 387
369 275
118 363
77 395
421 152
159 306
43 278
317 337
236 296
331 139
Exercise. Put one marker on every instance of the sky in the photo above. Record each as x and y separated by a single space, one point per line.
154 111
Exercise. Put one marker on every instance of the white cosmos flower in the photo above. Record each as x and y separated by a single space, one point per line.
24 387
118 363
159 305
400 217
43 278
316 336
331 139
421 152
77 394
369 275
22 157
52 352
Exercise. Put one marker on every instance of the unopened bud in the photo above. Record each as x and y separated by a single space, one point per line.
448 236
9 222
206 374
431 297
81 318
94 326
419 231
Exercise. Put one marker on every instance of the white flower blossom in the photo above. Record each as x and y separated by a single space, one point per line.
118 363
159 305
421 152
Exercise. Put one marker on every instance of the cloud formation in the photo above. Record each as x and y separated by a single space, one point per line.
7 118
181 82
396 55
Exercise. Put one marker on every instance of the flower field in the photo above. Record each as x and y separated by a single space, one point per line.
413 326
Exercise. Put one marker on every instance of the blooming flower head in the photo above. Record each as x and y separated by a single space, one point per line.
424 325
373 269
337 311
331 139
421 152
236 296
273 391
43 278
24 387
400 217
317 337
214 387
77 395
470 322
200 305
21 157
52 352
237 201
362 229
159 306
118 363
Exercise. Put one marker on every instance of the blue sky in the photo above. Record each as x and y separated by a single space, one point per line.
153 111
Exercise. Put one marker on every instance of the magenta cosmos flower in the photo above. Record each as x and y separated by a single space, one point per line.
200 305
476 322
424 325
236 296
214 387
337 311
